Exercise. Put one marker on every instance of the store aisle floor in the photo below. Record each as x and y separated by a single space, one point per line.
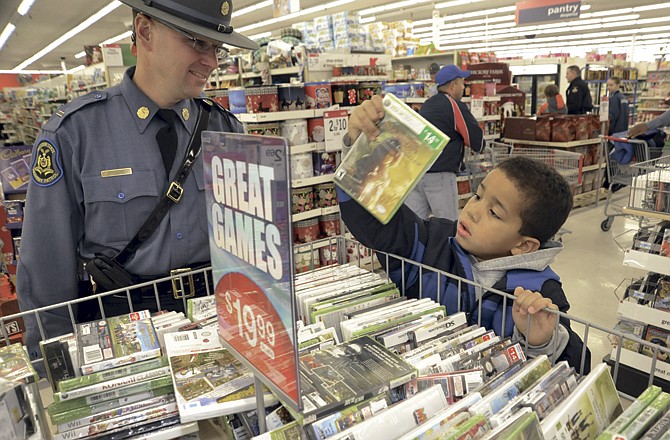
591 269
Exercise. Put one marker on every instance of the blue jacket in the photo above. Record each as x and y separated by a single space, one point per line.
431 243
618 113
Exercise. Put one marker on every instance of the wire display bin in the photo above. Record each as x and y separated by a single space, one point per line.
650 186
478 165
344 250
621 167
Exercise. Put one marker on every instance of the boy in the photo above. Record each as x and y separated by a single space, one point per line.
501 240
554 102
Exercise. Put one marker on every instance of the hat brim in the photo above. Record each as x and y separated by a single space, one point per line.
233 39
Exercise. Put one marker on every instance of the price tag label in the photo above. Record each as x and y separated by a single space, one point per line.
336 124
477 108
604 109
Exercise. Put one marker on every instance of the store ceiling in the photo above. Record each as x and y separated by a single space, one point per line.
47 20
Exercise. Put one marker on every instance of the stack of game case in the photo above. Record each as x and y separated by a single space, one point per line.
380 174
19 407
648 417
125 388
208 380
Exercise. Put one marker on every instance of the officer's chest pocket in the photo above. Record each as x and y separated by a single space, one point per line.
116 207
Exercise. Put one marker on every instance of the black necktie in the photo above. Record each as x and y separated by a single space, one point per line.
167 139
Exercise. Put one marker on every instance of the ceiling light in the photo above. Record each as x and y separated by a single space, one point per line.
81 54
293 15
369 19
455 3
259 36
6 33
252 8
397 5
25 6
119 37
612 12
651 7
71 33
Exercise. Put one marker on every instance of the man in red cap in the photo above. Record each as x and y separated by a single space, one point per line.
437 193
107 161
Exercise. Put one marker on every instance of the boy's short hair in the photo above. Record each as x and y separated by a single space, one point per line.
575 69
616 80
546 197
551 90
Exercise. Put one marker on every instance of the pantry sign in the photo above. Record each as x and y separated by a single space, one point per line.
541 11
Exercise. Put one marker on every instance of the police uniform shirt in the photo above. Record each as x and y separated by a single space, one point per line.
97 174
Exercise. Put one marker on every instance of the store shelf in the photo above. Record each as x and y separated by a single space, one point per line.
318 113
299 183
361 78
414 100
592 167
305 148
489 118
285 71
251 75
642 213
483 98
423 57
491 137
314 213
642 362
306 247
646 314
649 262
275 116
645 98
226 77
642 109
572 144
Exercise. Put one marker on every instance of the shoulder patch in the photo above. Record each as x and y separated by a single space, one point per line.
73 106
46 168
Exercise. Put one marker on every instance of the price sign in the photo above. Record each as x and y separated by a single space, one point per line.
477 108
336 124
604 109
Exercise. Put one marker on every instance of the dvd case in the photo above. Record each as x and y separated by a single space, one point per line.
379 174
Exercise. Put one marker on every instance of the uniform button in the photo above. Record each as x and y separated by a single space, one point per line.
121 195
97 96
35 355
179 235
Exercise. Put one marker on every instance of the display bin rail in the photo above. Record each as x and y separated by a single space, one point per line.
620 173
650 186
351 251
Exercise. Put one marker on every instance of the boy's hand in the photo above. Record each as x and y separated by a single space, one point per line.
542 323
365 117
637 130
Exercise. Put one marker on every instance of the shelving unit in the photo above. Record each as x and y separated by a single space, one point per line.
597 80
657 90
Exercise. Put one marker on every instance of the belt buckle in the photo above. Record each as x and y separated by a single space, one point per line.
177 292
175 192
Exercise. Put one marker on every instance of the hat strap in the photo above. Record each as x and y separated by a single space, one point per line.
181 12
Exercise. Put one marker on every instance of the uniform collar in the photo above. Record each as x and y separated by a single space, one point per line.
144 109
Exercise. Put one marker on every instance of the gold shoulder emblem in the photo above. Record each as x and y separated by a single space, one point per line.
46 169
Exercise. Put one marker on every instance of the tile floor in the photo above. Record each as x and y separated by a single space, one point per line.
591 269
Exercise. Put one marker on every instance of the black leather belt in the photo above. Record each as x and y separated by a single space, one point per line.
179 286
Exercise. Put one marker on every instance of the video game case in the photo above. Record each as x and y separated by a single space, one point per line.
15 364
631 413
454 385
329 426
106 406
634 328
431 331
379 174
201 308
524 425
350 372
113 384
291 431
476 426
57 360
141 416
660 430
434 345
658 336
444 421
400 418
116 412
485 359
182 432
588 410
117 341
114 373
399 336
517 384
500 378
138 429
556 393
319 340
409 315
451 363
59 407
647 418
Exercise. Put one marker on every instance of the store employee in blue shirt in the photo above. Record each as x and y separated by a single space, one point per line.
97 171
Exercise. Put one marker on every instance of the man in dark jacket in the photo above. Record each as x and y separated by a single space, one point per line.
577 95
437 194
618 105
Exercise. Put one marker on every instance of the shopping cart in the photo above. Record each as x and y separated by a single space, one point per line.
650 187
478 165
621 170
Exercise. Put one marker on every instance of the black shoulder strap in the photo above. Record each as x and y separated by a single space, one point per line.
174 192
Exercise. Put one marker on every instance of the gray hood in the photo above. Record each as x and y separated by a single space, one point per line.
488 272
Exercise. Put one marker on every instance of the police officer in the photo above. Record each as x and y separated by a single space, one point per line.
98 172
577 95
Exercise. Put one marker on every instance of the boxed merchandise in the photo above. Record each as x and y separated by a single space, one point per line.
18 422
520 128
14 211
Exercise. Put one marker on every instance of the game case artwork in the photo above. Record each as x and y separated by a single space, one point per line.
379 174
